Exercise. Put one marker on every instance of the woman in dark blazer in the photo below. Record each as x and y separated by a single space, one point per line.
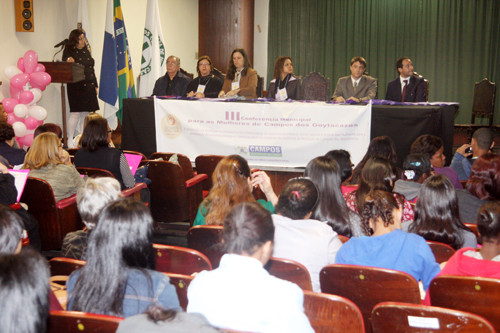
206 84
285 84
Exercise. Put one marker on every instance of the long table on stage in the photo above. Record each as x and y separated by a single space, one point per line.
403 123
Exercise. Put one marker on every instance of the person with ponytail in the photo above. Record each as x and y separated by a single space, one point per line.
298 237
389 246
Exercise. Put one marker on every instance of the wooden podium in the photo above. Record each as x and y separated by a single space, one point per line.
64 72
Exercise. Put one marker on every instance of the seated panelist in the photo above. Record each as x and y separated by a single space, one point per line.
174 82
357 87
241 78
285 84
206 84
408 87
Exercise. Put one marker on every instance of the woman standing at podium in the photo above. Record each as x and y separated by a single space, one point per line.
82 95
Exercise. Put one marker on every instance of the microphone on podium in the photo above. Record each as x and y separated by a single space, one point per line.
62 43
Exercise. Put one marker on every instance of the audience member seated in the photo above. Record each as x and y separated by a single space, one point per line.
388 247
240 294
377 175
343 159
119 277
24 292
380 147
331 206
356 87
483 186
91 198
174 82
47 160
48 127
432 147
416 169
96 153
298 237
206 85
159 320
232 184
437 217
481 143
89 117
8 196
241 78
484 261
15 156
284 85
11 231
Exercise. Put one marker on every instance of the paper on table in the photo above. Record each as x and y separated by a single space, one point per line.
133 161
20 177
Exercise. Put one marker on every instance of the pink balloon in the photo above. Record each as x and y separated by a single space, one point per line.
40 68
20 64
19 80
40 80
26 97
31 123
11 118
26 140
30 61
14 92
9 103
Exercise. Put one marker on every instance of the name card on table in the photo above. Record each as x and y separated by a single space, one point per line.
20 177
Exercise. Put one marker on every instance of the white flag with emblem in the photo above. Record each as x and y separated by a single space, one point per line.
153 63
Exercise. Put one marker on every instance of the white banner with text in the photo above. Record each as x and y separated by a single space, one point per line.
277 134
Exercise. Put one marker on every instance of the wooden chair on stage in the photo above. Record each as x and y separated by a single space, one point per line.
416 318
483 104
206 164
368 286
290 270
477 295
315 87
78 322
181 283
180 260
332 314
64 266
208 240
260 86
55 219
442 252
173 199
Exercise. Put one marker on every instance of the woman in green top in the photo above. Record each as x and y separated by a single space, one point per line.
232 184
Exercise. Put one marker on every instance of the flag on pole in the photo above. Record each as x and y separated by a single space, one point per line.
117 77
83 22
153 64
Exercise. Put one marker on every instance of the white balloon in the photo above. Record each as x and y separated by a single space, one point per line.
38 112
10 71
19 129
37 95
20 110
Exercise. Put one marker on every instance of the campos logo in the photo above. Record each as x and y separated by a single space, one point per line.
274 151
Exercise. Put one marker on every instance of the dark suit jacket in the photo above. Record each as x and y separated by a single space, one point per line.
415 92
292 88
366 89
177 86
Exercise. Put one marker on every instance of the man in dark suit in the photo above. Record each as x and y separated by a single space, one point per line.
407 87
174 82
356 87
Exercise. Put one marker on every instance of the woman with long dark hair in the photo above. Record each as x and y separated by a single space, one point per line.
284 84
240 294
388 247
241 78
82 95
331 206
377 174
96 152
437 217
299 237
379 147
119 277
232 184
